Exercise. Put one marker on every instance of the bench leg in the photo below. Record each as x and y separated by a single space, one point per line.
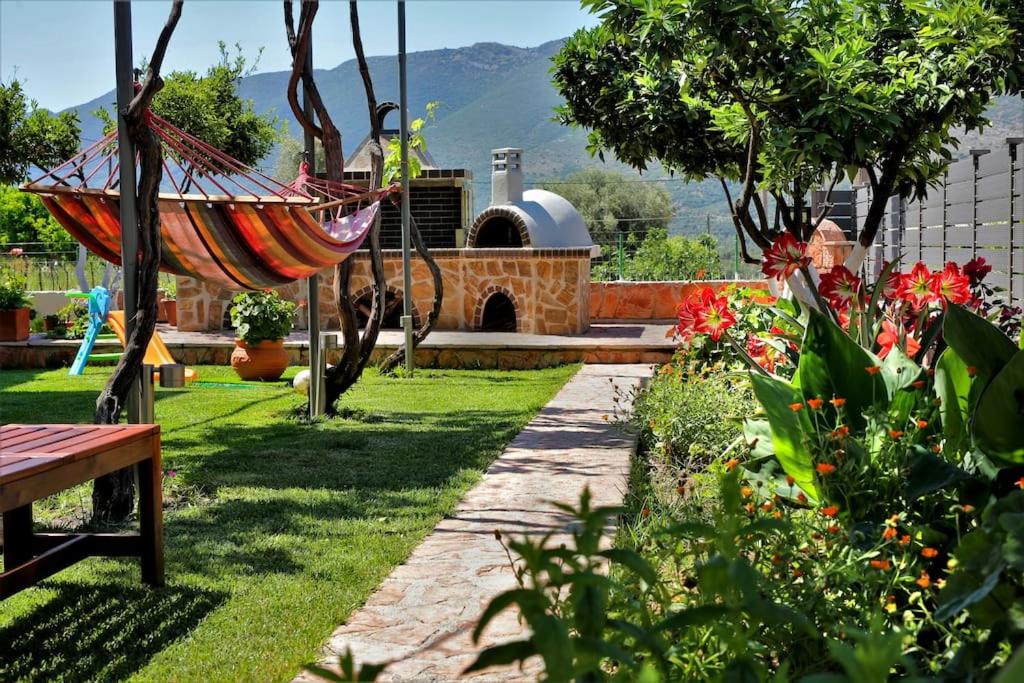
151 519
17 536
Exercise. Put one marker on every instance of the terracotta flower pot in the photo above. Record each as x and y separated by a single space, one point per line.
265 361
170 307
14 324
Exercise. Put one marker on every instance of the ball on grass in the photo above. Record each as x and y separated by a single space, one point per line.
301 382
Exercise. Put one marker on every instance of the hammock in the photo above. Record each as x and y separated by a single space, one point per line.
220 221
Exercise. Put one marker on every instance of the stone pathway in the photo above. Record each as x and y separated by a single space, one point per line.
425 610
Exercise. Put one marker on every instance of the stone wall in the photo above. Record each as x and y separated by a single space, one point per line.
549 288
649 300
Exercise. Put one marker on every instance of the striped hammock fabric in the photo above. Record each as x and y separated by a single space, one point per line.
220 221
248 244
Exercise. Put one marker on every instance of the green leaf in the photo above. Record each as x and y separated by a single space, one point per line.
977 341
502 655
1013 672
701 615
789 429
832 364
899 371
952 386
931 473
959 595
520 596
999 416
632 560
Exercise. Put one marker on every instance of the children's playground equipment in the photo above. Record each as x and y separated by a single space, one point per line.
98 298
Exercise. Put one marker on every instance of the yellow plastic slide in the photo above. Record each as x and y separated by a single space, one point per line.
156 353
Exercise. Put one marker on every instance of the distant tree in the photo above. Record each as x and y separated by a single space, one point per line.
31 136
658 256
784 97
23 218
609 204
209 107
290 152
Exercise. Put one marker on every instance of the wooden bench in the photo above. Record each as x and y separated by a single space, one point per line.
39 460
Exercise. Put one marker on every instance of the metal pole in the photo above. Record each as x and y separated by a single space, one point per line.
316 368
125 78
406 238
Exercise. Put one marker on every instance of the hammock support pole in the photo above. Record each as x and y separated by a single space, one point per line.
316 367
406 214
128 205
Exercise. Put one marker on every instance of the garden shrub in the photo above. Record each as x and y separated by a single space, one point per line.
658 256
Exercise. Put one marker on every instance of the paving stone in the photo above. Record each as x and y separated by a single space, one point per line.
422 616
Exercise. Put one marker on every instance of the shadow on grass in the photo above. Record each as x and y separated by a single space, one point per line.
103 631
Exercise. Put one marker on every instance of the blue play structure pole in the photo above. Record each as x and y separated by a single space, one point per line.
99 307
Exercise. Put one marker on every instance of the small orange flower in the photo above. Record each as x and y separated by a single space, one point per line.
924 580
971 371
796 407
646 512
749 507
801 497
895 433
815 403
833 528
767 506
929 552
840 432
776 559
921 424
968 508
919 384
830 511
825 469
937 448
889 533
1020 483
872 369
905 540
777 514
881 564
747 491
790 480
838 402
797 573
731 464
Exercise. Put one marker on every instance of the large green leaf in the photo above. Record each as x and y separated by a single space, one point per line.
789 429
833 364
977 341
929 472
999 417
952 386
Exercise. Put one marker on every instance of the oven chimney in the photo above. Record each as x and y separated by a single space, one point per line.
506 175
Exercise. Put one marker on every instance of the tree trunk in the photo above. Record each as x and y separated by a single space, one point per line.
113 495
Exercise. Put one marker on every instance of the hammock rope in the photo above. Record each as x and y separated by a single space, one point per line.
221 221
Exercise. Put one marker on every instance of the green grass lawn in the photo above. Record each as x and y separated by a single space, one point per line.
275 530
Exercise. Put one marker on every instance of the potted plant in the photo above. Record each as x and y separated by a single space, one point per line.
169 303
14 307
261 320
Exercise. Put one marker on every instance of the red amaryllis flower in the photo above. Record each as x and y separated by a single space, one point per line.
916 288
763 354
890 337
891 286
976 269
950 285
839 286
785 256
686 321
713 317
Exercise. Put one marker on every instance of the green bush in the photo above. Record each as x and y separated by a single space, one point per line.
23 218
663 257
688 419
261 316
13 290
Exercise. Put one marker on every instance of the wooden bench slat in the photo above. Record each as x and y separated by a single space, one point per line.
72 441
10 432
82 441
54 439
27 436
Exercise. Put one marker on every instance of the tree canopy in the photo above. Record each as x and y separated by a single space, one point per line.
786 96
209 107
609 204
32 136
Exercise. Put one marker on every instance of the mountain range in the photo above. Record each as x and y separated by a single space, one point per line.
493 95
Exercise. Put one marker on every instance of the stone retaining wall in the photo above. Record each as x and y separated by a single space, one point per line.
650 300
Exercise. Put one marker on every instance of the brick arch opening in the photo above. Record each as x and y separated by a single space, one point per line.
363 300
498 227
497 311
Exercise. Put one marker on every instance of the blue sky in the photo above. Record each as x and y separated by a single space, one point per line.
63 50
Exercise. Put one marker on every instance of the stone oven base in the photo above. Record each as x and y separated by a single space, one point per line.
549 288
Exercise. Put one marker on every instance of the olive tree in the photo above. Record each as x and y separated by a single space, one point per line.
786 96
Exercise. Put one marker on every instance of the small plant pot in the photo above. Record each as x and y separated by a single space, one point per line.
14 324
170 307
265 361
51 322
